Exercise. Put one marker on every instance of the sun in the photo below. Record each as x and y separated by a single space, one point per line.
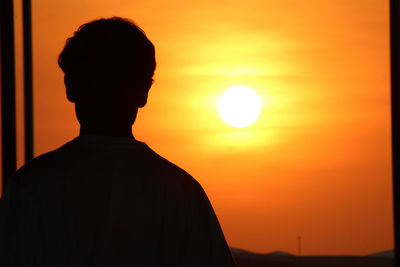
239 106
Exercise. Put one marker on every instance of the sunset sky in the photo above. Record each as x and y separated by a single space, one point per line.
317 162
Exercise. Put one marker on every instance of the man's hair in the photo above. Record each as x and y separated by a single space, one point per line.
107 54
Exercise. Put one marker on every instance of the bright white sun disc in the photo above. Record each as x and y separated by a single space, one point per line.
239 106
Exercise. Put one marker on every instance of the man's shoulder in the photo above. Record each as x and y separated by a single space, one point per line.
44 160
170 172
39 167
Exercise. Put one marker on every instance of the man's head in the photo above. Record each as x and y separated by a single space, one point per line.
108 66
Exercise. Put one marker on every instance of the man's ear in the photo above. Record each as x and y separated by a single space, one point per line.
69 89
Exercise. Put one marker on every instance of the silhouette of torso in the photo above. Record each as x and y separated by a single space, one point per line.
108 201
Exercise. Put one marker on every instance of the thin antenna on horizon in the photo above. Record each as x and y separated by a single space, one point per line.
299 245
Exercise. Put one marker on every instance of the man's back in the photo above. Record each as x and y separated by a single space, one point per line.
108 201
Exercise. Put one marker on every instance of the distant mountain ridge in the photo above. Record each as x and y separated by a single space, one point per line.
383 254
246 258
247 252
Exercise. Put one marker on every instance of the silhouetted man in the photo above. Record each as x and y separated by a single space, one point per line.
104 198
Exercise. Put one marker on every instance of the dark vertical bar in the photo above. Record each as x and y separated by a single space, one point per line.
9 153
395 98
28 85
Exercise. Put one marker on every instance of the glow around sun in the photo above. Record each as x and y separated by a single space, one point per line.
239 106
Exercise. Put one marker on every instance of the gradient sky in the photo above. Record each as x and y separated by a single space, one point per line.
317 161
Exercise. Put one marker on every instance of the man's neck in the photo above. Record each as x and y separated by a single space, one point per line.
106 131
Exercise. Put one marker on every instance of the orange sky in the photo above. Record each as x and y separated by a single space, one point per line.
317 161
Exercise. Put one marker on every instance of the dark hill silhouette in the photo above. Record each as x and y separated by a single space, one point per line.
246 258
383 254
